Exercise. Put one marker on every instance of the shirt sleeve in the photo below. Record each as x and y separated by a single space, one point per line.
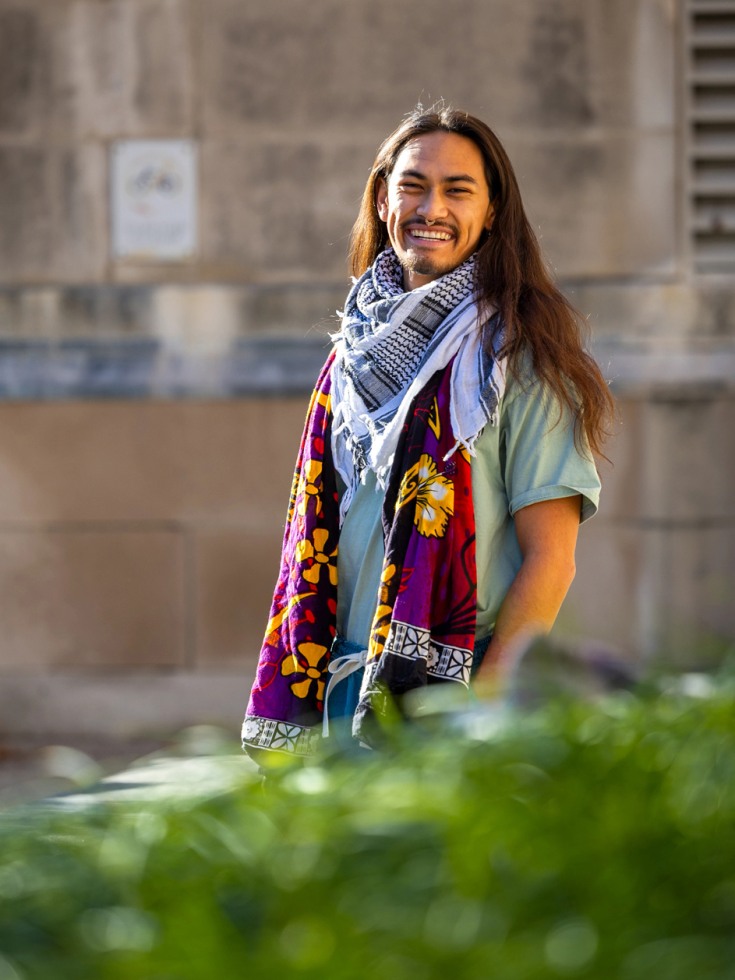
538 456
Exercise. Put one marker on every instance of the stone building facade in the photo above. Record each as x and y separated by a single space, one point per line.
151 408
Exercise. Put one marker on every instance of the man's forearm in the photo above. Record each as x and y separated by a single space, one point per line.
547 533
529 609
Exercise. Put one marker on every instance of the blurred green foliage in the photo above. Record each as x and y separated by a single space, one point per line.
575 840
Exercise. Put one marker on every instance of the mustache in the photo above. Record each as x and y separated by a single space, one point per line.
434 226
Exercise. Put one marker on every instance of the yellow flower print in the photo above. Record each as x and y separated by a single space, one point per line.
434 420
310 487
381 619
308 667
316 550
434 496
295 484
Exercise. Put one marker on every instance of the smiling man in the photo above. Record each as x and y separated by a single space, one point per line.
447 458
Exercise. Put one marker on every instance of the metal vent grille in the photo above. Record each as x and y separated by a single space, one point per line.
710 76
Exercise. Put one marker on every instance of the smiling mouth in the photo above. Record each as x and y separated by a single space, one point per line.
431 234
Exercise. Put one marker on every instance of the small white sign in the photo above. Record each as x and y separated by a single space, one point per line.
154 200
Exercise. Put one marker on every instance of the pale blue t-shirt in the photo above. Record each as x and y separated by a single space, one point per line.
529 456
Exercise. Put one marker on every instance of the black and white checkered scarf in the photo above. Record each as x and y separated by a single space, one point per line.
389 345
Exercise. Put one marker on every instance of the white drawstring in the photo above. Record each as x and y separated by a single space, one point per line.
340 668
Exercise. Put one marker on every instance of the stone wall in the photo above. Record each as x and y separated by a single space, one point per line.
150 411
139 545
286 103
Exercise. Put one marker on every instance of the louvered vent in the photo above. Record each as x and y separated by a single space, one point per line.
710 32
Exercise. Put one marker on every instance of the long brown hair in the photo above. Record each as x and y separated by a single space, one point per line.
511 274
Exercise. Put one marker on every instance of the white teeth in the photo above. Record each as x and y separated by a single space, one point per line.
441 236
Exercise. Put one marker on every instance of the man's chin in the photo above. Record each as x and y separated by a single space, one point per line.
420 265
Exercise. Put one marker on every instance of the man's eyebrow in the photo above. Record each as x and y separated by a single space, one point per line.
453 179
460 179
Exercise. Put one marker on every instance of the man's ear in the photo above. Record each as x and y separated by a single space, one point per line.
490 217
381 198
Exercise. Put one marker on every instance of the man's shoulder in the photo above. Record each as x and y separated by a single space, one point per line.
521 378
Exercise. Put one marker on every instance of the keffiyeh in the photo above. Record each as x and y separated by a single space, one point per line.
389 345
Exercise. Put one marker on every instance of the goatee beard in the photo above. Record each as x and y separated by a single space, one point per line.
422 266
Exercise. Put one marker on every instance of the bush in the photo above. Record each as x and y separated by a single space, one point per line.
577 840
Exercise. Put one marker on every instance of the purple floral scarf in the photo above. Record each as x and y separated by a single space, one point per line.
424 625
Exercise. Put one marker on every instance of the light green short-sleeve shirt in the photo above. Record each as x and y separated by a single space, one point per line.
529 456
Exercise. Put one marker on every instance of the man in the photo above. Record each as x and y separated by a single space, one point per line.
446 462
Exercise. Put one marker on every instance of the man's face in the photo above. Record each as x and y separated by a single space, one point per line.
436 205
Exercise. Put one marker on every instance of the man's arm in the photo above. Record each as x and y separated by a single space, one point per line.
547 535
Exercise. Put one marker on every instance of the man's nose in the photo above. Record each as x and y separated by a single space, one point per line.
432 206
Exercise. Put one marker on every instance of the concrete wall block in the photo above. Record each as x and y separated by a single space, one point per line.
20 69
196 320
686 583
663 461
131 66
29 313
602 604
633 47
658 316
683 439
649 312
235 574
210 319
272 210
52 213
163 95
101 311
42 76
557 62
256 59
303 309
80 215
715 312
83 68
216 462
80 597
601 204
654 595
697 583
621 477
26 205
121 705
572 64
